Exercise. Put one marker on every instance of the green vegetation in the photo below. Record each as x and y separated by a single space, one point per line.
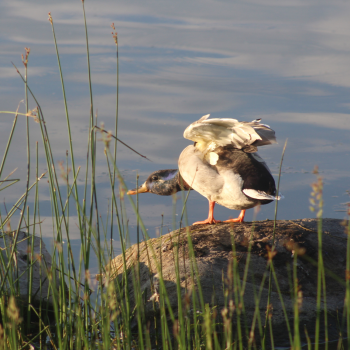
78 318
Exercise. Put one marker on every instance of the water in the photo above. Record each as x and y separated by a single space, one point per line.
285 63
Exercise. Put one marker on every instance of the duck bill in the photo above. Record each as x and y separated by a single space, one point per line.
142 189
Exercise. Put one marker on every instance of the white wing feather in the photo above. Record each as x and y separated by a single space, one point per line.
225 131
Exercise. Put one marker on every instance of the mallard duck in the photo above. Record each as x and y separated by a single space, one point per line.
222 165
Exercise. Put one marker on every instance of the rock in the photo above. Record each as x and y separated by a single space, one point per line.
212 246
19 269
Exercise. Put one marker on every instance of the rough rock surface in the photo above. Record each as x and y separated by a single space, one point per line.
212 246
20 262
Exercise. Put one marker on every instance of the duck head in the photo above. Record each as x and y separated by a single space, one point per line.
162 182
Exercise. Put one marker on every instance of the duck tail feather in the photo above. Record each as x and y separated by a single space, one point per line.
260 194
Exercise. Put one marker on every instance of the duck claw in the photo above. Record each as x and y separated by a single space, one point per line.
239 219
234 220
207 221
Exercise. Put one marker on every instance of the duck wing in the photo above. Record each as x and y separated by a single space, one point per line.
211 133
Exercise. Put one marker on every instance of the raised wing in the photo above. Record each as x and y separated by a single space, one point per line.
211 133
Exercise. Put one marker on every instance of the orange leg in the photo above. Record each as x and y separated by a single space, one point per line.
210 219
239 219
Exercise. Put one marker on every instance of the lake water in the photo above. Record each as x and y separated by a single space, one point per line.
285 62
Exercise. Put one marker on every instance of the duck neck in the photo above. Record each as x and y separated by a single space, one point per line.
181 184
171 184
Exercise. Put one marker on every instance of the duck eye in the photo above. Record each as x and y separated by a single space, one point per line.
154 178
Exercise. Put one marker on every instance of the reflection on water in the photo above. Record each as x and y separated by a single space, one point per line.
285 63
